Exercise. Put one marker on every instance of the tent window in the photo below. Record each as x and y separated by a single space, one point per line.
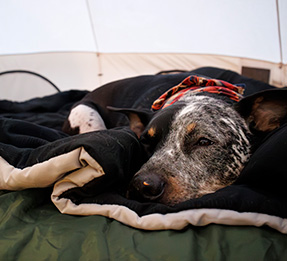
256 73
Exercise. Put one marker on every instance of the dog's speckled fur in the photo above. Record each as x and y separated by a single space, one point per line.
205 150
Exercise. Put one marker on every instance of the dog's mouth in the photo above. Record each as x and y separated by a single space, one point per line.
154 188
146 188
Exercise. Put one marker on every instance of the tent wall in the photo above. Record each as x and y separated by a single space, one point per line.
84 70
238 28
82 44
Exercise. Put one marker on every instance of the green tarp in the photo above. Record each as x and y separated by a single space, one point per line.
31 228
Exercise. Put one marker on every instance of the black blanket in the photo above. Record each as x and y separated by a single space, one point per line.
88 174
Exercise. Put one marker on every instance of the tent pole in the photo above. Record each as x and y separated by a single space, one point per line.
100 73
279 34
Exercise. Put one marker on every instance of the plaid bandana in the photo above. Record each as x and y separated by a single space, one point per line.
198 84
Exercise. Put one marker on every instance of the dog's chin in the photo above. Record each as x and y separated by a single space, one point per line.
169 199
172 194
172 200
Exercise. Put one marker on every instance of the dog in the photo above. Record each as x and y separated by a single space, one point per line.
199 136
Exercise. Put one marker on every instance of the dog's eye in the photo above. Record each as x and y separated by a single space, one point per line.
189 144
203 142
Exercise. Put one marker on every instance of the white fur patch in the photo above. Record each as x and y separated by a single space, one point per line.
86 119
192 104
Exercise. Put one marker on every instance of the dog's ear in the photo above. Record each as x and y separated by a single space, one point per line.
139 119
264 111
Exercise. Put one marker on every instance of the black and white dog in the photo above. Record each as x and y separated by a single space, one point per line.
199 135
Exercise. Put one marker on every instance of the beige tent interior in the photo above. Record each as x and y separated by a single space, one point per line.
82 44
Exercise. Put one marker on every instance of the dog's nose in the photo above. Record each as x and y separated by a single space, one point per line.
146 187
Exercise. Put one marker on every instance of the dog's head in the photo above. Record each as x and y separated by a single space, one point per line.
200 144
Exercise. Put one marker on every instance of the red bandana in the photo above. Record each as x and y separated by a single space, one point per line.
198 84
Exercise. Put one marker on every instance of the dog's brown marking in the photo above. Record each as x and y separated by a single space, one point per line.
190 127
267 114
135 124
174 194
151 132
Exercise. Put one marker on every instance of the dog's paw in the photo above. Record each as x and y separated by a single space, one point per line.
83 119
